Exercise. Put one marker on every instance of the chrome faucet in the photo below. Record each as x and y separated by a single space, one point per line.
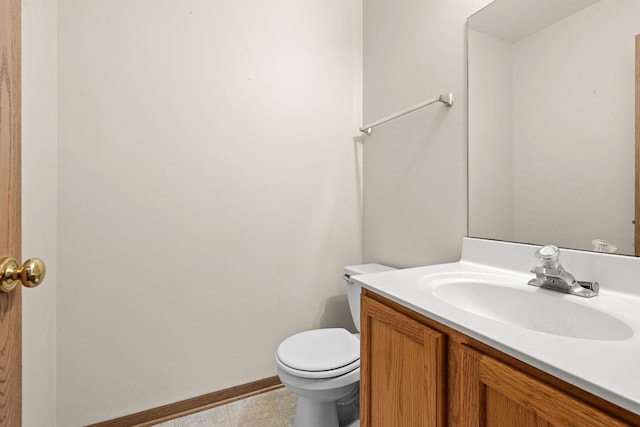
552 275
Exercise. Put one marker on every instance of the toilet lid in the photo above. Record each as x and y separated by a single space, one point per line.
319 350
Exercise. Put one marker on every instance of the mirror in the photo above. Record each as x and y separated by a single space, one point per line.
551 122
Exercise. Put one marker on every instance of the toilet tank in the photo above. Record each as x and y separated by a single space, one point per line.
353 288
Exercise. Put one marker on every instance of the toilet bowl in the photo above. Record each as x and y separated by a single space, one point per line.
322 366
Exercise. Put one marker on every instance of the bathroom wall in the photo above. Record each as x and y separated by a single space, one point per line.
209 192
415 176
39 207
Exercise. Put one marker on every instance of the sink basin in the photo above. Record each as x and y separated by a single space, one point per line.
510 300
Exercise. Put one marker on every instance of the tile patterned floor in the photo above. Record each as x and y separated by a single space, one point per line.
276 408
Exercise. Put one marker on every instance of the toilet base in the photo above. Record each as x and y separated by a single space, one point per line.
313 413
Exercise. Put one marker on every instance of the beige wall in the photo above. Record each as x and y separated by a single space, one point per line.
39 205
415 185
209 192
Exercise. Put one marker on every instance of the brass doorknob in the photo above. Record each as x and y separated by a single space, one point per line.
30 274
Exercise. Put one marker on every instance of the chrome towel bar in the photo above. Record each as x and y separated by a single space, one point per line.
446 99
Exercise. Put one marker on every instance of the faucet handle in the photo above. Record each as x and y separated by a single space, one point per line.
549 255
592 286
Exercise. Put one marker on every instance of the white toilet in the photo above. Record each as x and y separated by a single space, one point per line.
322 366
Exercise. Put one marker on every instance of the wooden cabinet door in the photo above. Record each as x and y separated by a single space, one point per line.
402 370
497 395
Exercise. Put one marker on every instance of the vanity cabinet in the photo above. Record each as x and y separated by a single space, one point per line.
402 369
417 372
496 394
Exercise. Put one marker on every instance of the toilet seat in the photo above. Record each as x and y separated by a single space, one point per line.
318 375
319 353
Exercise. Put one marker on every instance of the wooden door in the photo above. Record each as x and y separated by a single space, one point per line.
497 395
402 370
10 213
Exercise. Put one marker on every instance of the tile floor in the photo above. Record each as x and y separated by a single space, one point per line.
275 408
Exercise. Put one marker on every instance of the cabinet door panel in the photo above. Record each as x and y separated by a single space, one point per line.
498 395
501 411
402 370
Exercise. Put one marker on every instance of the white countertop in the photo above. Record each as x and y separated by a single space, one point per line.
607 368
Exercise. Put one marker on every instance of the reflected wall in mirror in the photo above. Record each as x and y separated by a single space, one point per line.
551 122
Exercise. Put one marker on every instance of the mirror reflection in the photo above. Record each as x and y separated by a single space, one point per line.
552 123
